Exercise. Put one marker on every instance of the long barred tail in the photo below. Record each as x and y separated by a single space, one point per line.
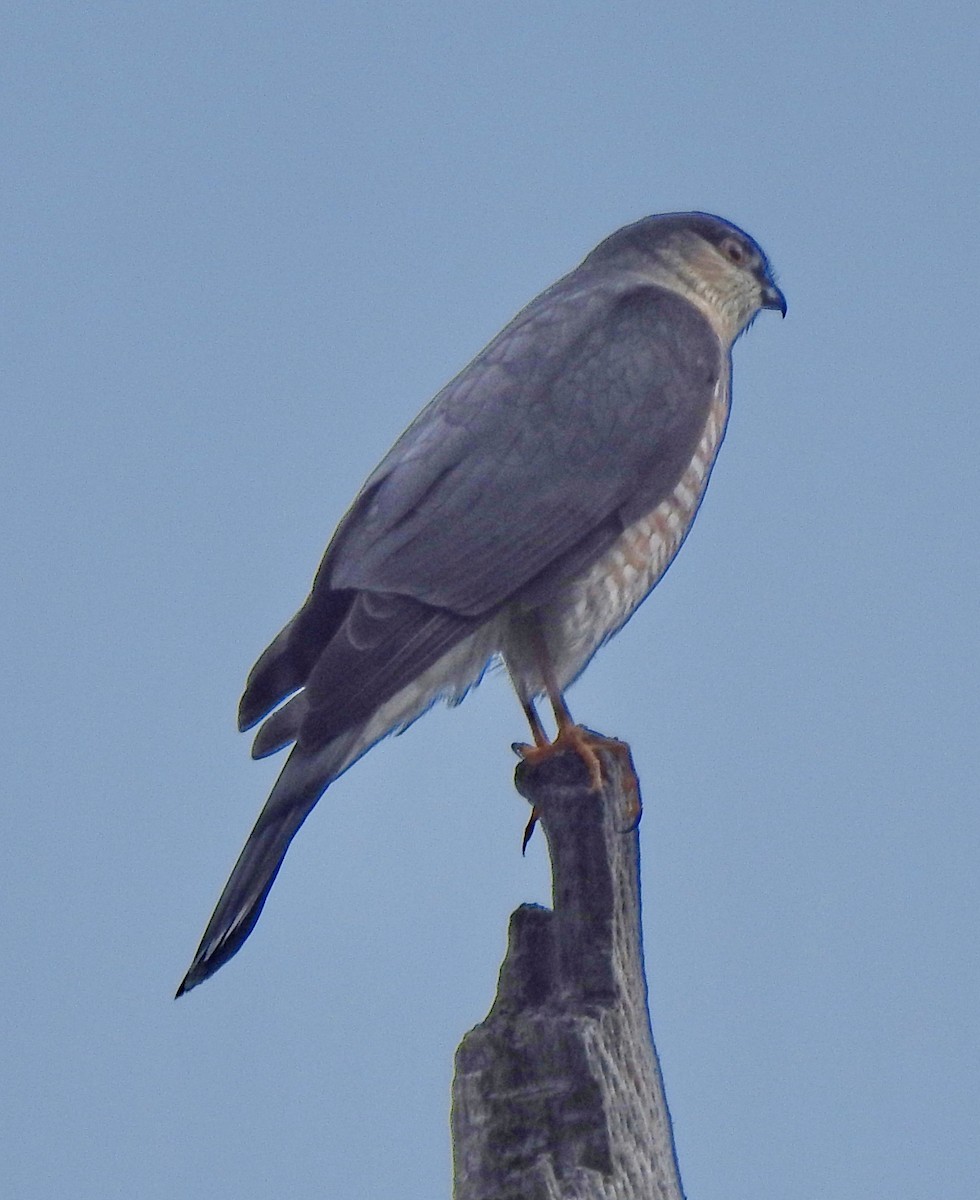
304 779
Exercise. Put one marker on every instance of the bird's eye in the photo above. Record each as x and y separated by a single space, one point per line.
734 251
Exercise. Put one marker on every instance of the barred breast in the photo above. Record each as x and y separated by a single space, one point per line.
601 601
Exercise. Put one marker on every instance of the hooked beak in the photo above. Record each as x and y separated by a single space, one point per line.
772 297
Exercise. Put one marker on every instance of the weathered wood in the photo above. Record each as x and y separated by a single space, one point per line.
558 1094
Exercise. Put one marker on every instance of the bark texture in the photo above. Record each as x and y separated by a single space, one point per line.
558 1094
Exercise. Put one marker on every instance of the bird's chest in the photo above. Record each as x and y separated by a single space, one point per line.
604 597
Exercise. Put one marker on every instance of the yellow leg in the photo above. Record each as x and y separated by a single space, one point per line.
570 736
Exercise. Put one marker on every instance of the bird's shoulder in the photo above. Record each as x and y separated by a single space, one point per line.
536 442
584 349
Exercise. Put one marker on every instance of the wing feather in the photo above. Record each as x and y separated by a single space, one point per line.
536 444
512 479
385 642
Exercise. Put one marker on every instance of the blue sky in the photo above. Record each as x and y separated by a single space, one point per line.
244 244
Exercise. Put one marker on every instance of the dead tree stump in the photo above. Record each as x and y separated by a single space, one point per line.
558 1094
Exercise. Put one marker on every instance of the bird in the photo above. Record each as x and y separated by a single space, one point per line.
521 518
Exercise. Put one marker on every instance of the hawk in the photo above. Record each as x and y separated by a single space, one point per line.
522 517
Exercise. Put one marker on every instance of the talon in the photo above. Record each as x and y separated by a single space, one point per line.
636 803
532 821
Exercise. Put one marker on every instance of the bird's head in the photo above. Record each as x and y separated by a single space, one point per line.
711 262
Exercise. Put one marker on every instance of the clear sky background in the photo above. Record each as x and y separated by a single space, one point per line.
243 244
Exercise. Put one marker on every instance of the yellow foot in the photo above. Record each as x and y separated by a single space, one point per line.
571 737
585 745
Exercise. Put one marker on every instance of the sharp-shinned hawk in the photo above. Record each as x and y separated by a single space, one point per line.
523 516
